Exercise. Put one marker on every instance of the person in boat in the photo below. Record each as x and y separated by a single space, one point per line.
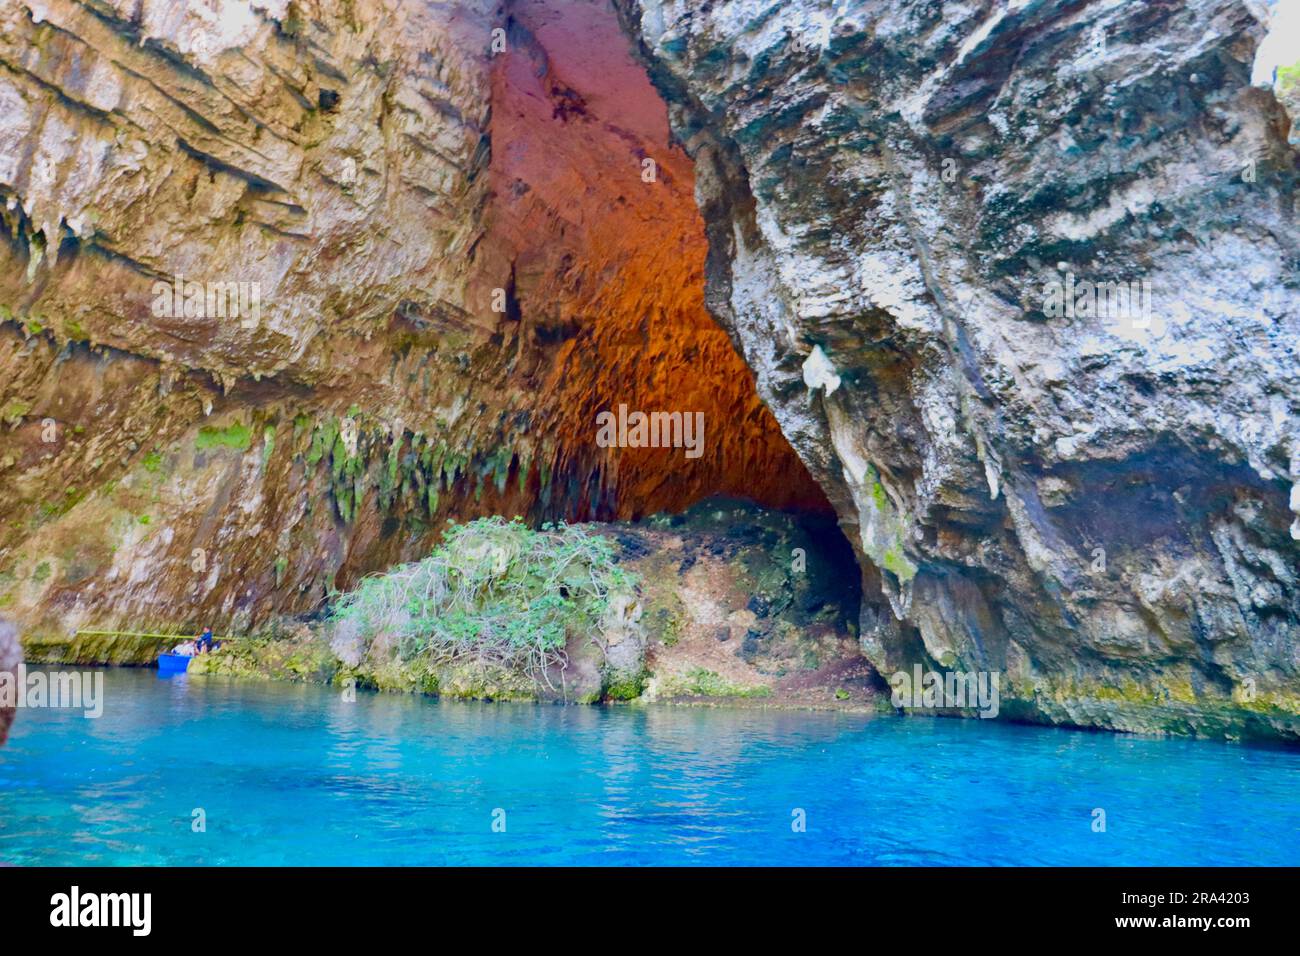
203 643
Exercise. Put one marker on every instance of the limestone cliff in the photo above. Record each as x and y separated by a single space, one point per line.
1096 499
443 212
1008 287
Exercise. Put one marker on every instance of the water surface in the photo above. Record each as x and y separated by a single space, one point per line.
294 774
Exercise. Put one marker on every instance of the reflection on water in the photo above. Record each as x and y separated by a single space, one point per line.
294 774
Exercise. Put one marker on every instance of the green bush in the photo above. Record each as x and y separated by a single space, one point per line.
494 591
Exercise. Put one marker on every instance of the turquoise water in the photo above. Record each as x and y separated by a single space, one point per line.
289 774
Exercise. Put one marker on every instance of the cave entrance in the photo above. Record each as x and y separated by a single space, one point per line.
592 215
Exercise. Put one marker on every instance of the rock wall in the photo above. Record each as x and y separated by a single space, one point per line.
9 658
1017 282
163 462
1097 501
450 261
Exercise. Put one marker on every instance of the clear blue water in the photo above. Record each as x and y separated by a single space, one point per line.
292 774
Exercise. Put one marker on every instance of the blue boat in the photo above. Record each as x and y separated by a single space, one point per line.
173 663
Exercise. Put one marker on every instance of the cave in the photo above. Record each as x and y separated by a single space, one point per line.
596 263
596 252
690 430
553 273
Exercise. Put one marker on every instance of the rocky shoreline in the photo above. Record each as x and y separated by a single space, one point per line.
734 606
733 603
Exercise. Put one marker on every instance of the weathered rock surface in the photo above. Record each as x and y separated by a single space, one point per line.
443 209
461 255
1100 506
163 466
9 658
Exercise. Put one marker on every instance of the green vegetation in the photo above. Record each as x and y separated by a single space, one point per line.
346 461
322 440
629 688
878 496
1288 77
371 463
494 592
237 436
885 533
58 507
895 561
699 682
15 411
